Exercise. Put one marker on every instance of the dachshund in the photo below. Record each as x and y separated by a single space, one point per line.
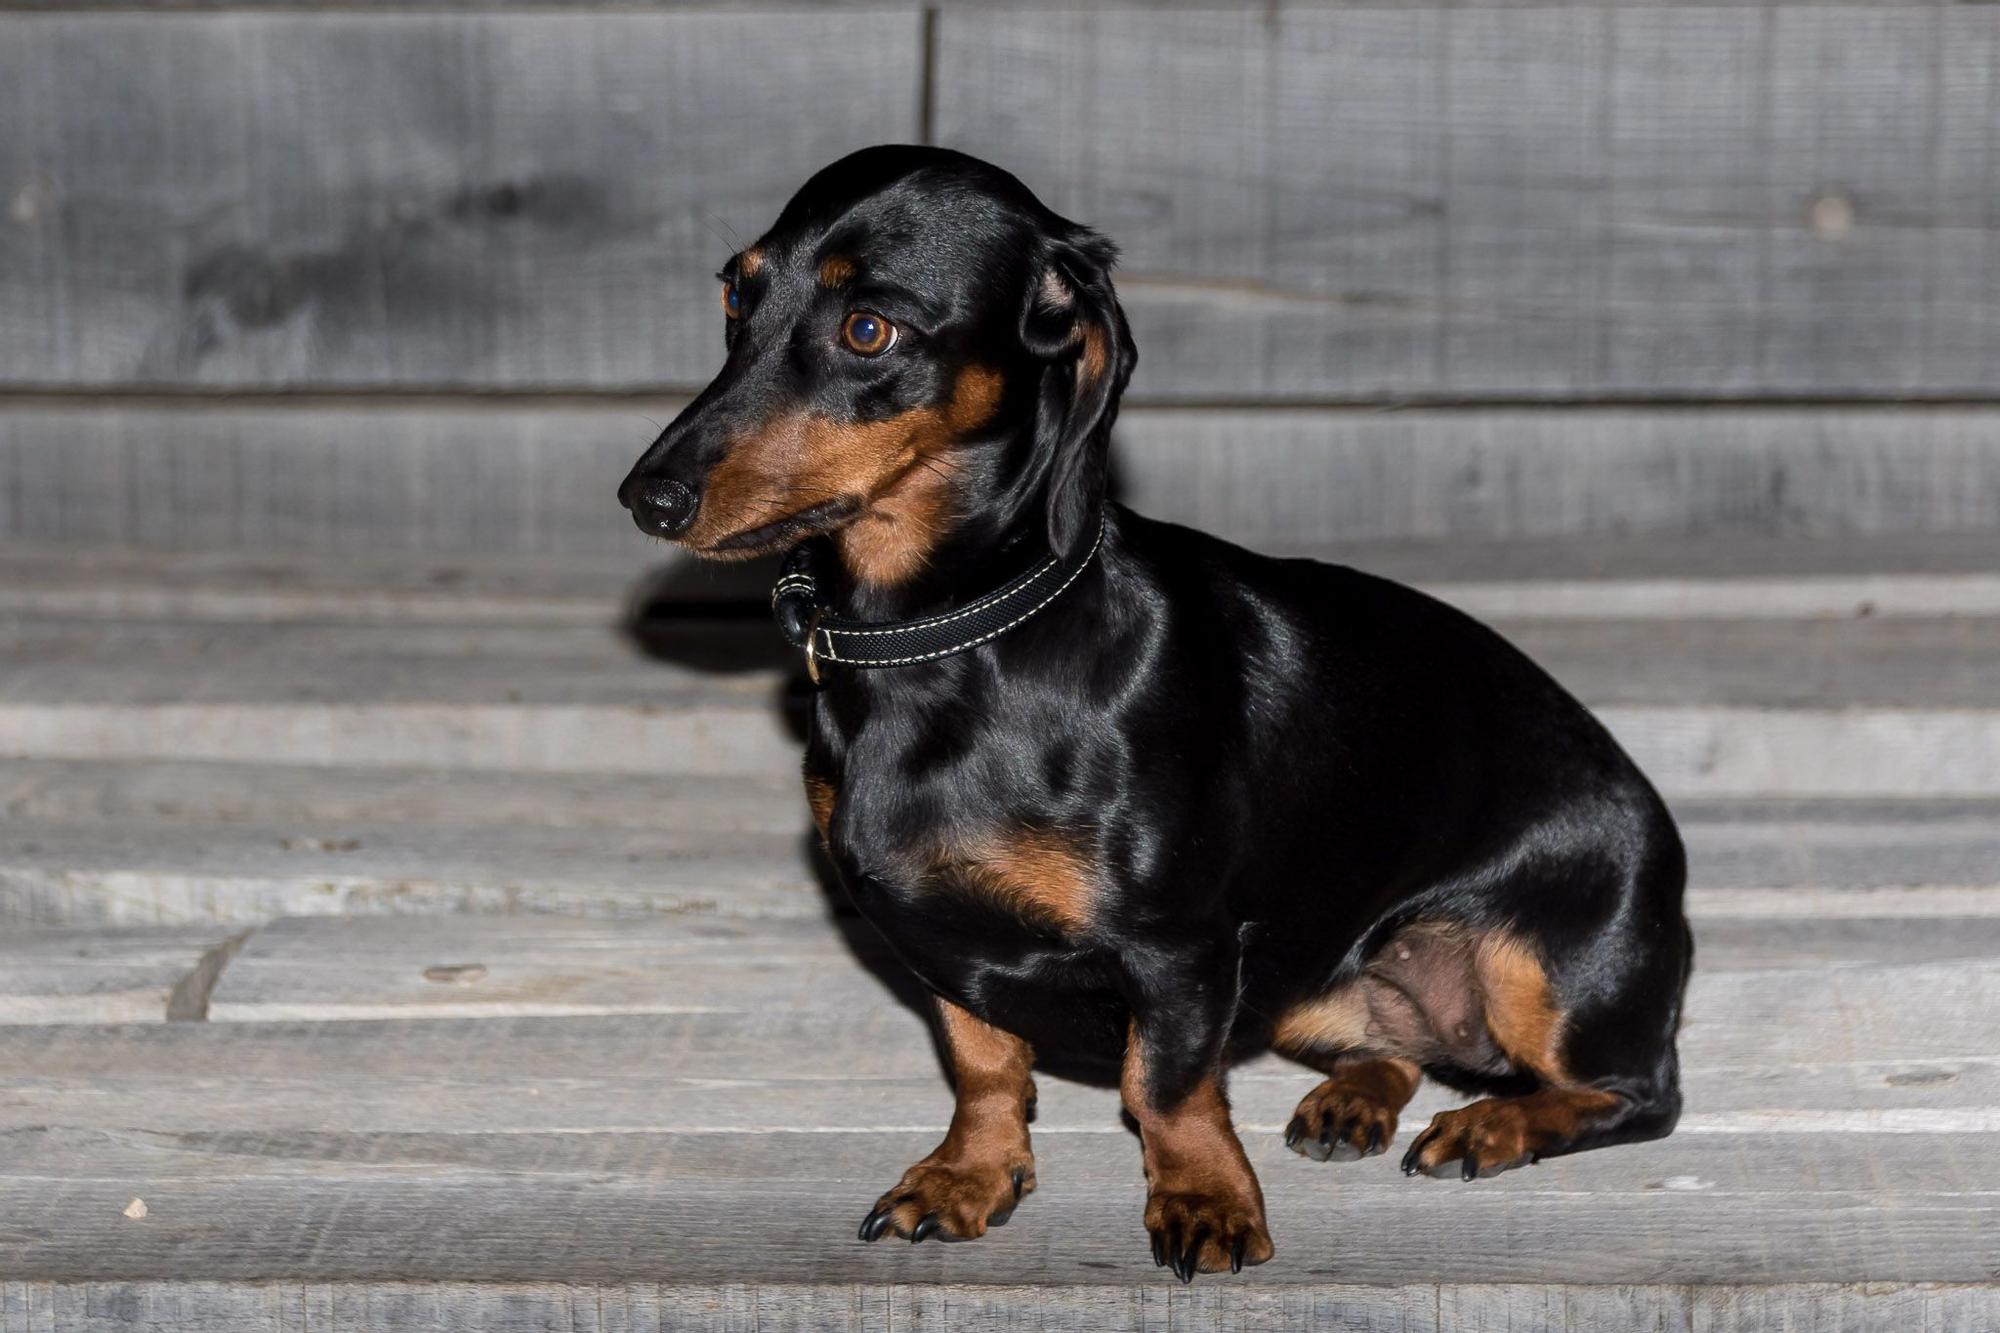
1122 794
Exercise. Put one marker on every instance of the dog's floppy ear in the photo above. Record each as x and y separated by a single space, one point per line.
1072 323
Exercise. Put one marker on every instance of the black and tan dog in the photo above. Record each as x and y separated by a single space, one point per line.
1113 788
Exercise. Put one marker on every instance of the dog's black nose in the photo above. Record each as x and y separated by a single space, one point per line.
660 507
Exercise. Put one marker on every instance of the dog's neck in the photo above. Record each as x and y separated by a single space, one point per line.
944 537
963 564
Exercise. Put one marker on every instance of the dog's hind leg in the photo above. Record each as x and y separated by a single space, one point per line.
1592 1016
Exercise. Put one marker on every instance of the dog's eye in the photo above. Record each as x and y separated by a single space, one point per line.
732 300
866 334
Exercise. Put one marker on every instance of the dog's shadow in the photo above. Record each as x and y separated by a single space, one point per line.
686 616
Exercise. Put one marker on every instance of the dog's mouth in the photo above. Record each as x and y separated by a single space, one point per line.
779 533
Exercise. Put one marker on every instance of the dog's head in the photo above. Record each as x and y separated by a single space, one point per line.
917 346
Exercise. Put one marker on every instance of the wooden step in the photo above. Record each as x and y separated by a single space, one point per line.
582 1108
133 842
131 871
1729 576
536 476
141 974
1850 707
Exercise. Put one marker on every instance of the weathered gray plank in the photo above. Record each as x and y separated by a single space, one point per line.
123 582
533 478
249 1204
1821 1100
1858 1047
1846 844
121 840
333 801
1807 752
266 477
119 872
328 969
645 1307
1954 574
1928 663
56 660
1736 200
1368 200
1709 710
130 864
436 198
65 975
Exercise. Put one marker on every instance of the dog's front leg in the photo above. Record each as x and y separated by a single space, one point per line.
974 1178
1204 1208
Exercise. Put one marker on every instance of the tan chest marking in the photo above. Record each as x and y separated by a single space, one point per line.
1036 874
819 799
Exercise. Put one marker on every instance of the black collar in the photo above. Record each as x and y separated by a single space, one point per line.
807 624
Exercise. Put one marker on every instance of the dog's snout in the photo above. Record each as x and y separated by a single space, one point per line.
660 507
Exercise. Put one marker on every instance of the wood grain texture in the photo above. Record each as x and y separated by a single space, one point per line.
733 1143
1848 708
745 854
1565 201
454 198
537 479
66 975
650 1307
123 840
336 969
1868 1048
1930 663
430 1210
1318 202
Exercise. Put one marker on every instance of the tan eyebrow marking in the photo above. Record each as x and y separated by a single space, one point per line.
749 262
835 270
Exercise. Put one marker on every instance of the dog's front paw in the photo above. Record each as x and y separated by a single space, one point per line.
1206 1232
950 1200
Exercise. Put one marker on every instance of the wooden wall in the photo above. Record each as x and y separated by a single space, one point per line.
1322 206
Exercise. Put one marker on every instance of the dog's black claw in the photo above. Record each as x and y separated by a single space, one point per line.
924 1227
1374 1144
877 1222
1174 1247
1236 1254
1020 1179
1326 1141
1295 1131
1411 1157
1470 1171
1190 1261
1159 1251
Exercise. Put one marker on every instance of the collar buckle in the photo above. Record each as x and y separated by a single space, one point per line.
812 645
